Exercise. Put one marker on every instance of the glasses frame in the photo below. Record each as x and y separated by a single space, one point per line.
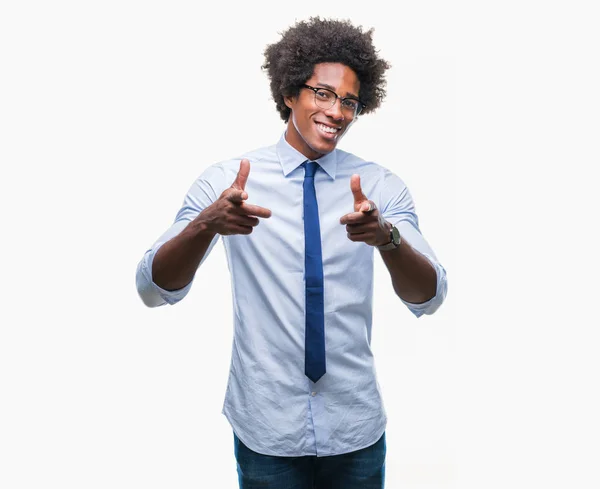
361 105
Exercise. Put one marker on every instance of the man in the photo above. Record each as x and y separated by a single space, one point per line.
302 396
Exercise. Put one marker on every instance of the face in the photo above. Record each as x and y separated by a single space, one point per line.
313 130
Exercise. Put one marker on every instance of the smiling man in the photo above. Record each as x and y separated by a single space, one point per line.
316 127
302 397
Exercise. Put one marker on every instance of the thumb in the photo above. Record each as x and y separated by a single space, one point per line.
359 197
236 196
242 175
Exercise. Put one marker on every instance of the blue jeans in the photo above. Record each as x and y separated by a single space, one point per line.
362 469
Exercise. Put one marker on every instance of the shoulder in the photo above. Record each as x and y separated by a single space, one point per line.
265 154
255 157
225 168
366 167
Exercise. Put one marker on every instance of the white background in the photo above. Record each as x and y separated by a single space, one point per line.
109 111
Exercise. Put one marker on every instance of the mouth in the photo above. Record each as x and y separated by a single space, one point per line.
327 131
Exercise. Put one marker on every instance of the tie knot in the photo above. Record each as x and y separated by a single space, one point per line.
310 168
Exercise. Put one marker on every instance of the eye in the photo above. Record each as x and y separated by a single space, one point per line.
323 94
350 104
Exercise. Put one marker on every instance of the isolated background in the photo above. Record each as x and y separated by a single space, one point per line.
109 111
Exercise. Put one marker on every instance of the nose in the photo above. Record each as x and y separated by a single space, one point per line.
335 111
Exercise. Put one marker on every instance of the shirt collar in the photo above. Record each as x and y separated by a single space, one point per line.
290 158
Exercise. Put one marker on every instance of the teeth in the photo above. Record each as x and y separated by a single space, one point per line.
325 128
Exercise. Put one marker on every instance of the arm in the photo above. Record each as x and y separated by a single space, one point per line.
418 279
413 277
151 293
175 263
166 272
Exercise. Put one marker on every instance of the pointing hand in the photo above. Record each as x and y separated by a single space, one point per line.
229 214
365 224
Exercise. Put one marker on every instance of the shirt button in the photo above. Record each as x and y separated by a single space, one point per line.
314 394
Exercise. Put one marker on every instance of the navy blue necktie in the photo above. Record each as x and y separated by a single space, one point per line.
314 347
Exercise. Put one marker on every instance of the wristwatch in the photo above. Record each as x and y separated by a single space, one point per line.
395 240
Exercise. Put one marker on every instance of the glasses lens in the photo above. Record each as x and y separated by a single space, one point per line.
324 98
350 106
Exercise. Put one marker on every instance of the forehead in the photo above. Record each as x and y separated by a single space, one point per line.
337 75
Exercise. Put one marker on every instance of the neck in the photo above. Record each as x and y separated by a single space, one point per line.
296 141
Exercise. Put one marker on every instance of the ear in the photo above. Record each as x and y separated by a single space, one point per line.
288 100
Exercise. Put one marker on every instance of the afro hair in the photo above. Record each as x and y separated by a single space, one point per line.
290 61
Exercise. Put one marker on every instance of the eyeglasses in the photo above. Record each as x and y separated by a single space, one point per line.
326 98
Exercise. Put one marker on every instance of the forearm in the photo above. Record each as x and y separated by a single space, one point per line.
176 262
413 277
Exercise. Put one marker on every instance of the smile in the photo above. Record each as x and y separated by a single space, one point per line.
327 129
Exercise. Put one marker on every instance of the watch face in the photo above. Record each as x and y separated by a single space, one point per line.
395 235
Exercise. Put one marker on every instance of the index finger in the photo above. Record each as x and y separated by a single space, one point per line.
255 210
355 217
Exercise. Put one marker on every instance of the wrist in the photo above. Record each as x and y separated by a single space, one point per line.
393 240
386 236
202 228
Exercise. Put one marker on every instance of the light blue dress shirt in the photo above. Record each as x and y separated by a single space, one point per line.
271 405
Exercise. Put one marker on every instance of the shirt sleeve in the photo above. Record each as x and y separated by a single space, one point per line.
203 192
397 207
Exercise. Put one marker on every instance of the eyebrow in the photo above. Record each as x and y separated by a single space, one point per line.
325 85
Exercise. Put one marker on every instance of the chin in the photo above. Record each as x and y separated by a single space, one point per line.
325 146
323 149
